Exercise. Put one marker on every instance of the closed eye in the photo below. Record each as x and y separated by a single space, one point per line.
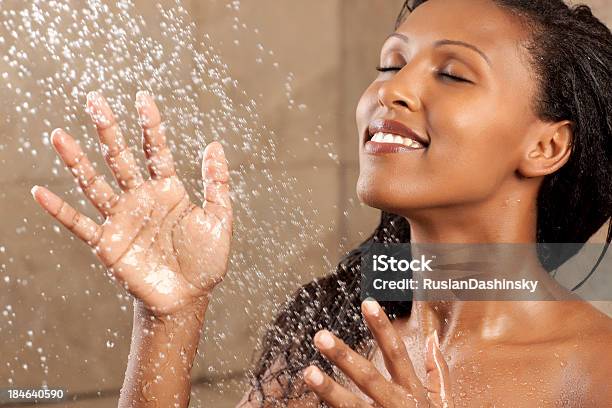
388 69
455 78
444 75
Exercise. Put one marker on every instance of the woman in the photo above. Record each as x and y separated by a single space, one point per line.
503 112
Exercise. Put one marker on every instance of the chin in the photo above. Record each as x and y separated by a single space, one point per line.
379 195
400 197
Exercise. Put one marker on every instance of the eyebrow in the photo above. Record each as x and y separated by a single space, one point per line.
440 43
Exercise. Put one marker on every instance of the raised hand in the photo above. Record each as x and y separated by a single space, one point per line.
404 389
167 251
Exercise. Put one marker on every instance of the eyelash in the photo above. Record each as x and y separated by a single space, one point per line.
442 74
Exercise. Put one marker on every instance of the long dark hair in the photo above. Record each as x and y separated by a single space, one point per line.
571 54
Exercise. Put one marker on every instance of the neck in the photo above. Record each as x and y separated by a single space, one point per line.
480 321
510 219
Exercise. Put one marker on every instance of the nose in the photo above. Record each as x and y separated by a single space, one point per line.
398 93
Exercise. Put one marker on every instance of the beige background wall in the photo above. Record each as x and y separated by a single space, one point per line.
288 128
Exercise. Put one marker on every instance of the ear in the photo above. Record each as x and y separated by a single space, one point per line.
548 150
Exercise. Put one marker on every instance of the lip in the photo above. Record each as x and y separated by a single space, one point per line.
383 148
396 128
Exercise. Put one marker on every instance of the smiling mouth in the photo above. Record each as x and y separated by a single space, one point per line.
390 136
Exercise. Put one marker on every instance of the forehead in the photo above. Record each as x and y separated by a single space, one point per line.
482 23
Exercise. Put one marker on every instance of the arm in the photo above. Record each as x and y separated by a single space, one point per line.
161 356
168 252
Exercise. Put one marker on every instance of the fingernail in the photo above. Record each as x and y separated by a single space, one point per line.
142 99
314 376
221 147
95 100
56 136
93 97
324 340
209 146
33 191
97 109
371 307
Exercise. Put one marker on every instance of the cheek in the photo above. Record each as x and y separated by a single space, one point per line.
366 107
473 144
474 149
478 134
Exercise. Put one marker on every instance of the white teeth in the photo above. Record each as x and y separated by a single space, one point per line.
381 137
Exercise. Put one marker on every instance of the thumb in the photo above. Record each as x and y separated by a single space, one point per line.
215 175
437 378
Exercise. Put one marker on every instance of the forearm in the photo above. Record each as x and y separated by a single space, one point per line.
161 356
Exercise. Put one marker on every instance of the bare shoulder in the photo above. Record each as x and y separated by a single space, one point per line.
593 324
597 364
588 354
589 331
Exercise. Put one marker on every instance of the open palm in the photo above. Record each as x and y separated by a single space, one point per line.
166 251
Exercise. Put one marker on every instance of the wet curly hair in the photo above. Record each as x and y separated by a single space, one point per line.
571 53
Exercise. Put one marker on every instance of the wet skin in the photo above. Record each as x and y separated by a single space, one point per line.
150 244
476 180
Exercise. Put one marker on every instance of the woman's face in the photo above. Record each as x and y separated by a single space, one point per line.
473 129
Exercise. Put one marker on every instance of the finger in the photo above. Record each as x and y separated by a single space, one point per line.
97 190
330 391
392 346
114 148
438 376
359 369
159 156
215 174
80 225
